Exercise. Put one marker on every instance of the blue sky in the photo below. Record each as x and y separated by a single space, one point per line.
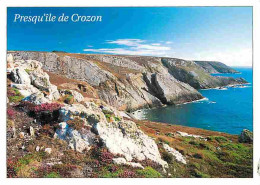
194 33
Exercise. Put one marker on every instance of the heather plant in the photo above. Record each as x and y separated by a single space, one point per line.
127 174
10 113
46 107
103 155
76 123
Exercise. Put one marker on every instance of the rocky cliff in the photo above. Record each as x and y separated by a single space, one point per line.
133 82
215 67
58 127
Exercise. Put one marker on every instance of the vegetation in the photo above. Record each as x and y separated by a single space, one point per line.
14 95
149 172
76 123
220 155
69 99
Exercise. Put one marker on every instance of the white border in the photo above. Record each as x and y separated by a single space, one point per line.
102 3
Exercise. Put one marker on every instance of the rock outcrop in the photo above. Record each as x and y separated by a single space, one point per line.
246 136
178 156
83 124
130 82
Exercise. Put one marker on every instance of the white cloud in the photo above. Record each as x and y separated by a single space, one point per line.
126 42
234 57
156 44
231 57
134 47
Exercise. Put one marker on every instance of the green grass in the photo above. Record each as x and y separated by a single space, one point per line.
69 99
220 139
117 118
17 97
148 172
28 70
52 175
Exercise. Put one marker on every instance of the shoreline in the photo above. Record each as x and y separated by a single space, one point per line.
140 113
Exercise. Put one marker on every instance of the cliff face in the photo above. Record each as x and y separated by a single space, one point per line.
197 74
215 67
131 82
54 128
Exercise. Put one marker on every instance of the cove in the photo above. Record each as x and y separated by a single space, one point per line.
227 110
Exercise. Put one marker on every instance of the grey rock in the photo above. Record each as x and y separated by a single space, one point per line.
246 136
36 98
20 76
178 156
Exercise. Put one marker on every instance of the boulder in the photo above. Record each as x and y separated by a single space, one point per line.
36 98
25 89
122 161
53 93
77 96
126 139
178 156
77 140
246 136
68 112
20 76
184 134
40 80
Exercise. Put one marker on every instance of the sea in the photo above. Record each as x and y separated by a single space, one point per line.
228 109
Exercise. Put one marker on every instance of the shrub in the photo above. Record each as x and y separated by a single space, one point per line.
26 165
14 95
148 172
198 156
167 157
117 118
10 113
102 155
69 99
113 168
108 116
53 175
11 164
44 107
76 123
162 140
127 174
221 139
106 157
199 174
169 134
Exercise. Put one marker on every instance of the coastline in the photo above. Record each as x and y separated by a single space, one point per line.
78 127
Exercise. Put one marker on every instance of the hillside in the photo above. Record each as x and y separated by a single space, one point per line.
60 125
215 67
131 82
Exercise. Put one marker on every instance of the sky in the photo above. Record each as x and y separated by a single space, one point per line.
193 33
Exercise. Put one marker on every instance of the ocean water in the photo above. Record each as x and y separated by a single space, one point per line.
227 110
